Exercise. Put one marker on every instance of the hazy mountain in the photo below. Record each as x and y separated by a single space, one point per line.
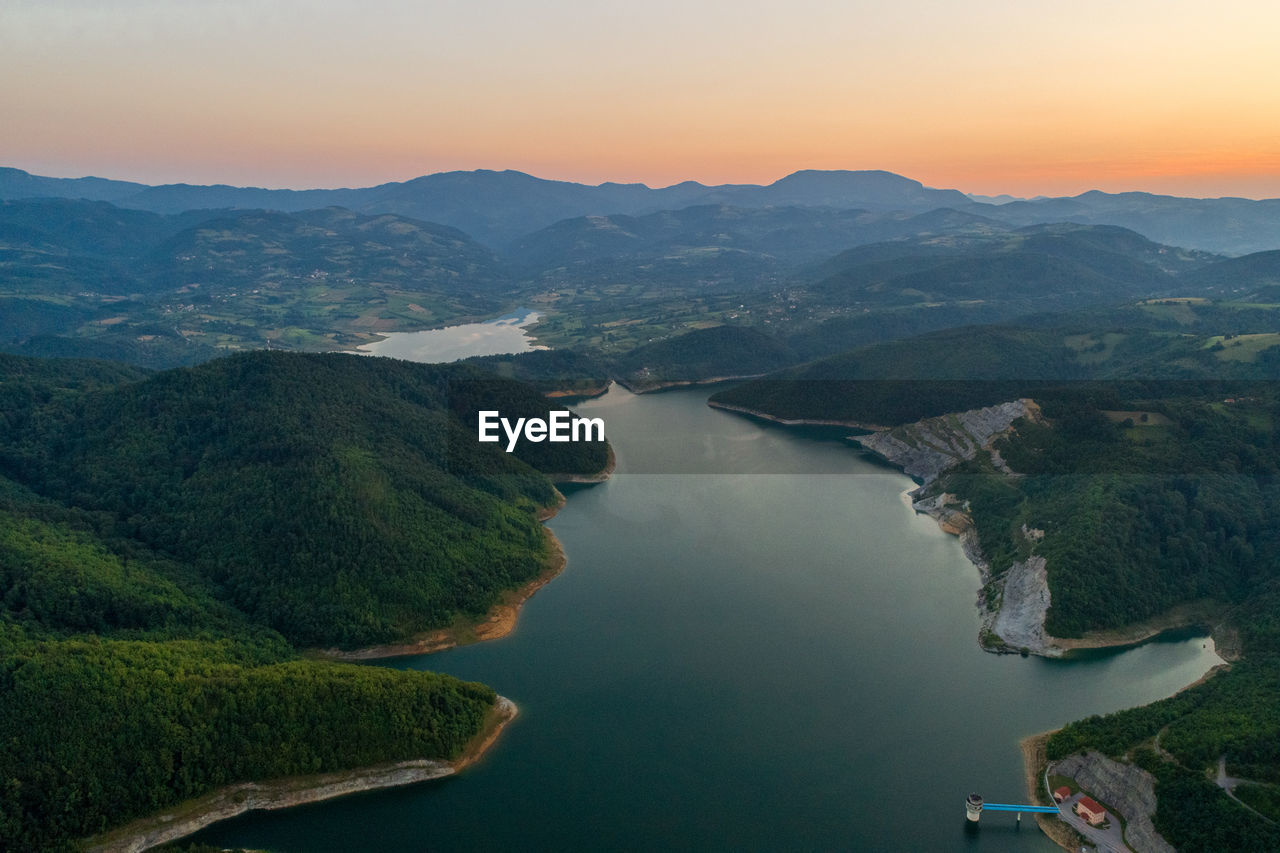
1232 226
263 248
498 207
1255 276
88 279
82 227
786 235
1063 263
62 246
15 183
874 190
1003 198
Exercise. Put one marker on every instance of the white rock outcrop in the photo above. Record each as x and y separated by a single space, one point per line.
927 448
1020 622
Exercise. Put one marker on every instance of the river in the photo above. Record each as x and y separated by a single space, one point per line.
756 644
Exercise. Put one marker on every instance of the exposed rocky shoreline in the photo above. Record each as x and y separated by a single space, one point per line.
927 449
1127 788
233 800
1013 615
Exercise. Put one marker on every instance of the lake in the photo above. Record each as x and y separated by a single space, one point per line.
756 644
499 336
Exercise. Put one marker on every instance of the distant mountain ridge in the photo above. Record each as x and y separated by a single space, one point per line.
1231 226
497 208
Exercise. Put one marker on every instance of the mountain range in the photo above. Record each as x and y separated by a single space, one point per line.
497 208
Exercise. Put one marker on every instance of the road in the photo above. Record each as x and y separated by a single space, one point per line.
1106 840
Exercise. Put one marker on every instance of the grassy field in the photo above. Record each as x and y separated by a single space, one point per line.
1242 347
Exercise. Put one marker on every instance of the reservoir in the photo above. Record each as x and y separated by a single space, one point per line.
756 644
499 336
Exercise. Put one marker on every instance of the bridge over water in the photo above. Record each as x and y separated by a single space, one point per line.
974 807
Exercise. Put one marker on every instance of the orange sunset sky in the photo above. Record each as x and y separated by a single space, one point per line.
1024 97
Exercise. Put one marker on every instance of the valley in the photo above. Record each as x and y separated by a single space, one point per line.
203 490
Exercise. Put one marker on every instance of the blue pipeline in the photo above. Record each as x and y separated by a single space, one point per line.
1005 807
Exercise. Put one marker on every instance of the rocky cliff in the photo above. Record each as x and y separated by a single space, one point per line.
1130 790
1024 603
929 448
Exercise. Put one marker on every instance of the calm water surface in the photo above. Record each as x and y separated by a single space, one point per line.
505 334
756 645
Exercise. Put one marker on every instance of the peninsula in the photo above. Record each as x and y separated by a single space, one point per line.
174 542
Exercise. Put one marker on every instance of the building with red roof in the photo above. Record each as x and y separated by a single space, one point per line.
1089 809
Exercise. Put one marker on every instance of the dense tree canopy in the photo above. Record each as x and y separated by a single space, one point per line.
167 541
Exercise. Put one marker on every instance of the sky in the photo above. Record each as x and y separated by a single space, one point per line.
1026 97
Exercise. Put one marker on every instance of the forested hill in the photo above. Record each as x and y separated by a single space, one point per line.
1149 480
340 500
961 368
168 541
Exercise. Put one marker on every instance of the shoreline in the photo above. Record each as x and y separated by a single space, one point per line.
1176 618
765 416
1034 761
499 622
926 469
611 463
668 384
585 394
231 801
502 617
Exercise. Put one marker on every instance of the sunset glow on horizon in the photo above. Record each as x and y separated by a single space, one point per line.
1028 98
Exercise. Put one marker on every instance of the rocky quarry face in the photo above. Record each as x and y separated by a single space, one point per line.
1020 622
927 449
1128 789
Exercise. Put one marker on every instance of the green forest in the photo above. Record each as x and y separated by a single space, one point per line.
1141 493
1233 716
170 542
1136 516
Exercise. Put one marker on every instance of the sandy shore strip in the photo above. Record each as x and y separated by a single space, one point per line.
672 384
1206 613
233 800
497 623
1034 762
502 617
1035 759
581 394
